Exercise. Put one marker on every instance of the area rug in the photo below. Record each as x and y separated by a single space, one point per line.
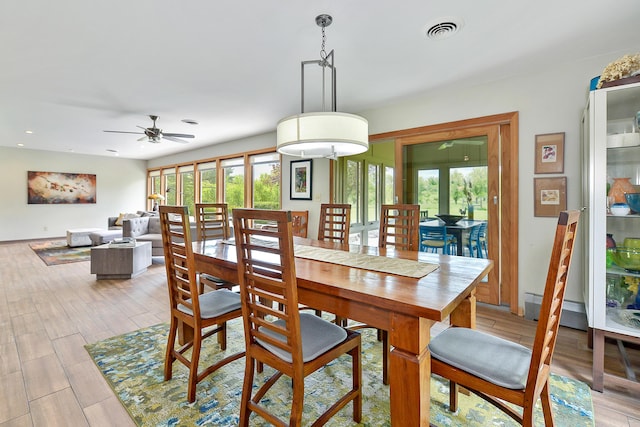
54 252
133 366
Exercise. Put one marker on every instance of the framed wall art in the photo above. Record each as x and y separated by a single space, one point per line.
60 188
550 196
550 153
301 176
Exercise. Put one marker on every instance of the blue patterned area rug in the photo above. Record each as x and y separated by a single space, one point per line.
133 366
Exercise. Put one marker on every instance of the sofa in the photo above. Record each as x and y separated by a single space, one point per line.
145 229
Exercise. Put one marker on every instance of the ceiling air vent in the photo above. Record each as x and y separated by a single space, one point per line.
443 28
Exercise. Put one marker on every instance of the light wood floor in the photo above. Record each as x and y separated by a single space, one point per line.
47 315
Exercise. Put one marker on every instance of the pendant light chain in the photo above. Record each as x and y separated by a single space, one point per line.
323 52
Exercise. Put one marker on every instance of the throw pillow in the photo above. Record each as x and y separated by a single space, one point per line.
124 216
119 220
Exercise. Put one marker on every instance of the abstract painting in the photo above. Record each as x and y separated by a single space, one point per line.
60 187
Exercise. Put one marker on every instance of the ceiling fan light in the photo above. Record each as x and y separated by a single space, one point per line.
322 134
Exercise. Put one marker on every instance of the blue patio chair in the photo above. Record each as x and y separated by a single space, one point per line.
473 243
435 238
482 241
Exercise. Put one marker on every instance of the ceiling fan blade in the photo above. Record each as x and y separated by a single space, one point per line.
123 131
171 138
143 138
177 135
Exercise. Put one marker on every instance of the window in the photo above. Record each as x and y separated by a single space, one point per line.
389 194
233 170
181 185
265 172
187 188
373 193
428 190
468 190
208 181
353 189
170 188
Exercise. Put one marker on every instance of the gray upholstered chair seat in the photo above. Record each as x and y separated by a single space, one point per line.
488 357
317 335
215 303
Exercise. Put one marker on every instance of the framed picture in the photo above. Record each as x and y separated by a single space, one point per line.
60 188
550 196
301 179
550 153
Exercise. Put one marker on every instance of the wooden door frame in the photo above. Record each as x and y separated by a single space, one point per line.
507 126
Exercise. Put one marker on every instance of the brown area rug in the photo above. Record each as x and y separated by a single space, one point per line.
54 252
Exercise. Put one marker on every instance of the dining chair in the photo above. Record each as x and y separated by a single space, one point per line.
436 238
502 371
294 344
300 223
473 242
335 220
482 240
398 228
204 314
334 224
212 223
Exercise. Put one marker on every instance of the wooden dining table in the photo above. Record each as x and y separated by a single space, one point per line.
404 306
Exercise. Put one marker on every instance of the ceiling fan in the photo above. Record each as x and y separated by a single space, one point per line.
465 141
154 135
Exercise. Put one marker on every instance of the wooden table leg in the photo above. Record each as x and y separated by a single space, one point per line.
465 314
409 371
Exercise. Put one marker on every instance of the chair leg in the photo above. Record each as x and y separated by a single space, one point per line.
356 372
247 388
169 358
222 336
297 402
453 396
193 367
545 398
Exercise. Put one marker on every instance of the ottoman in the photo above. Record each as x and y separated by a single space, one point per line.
101 237
80 236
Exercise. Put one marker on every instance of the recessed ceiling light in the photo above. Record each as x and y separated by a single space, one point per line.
20 144
28 131
443 28
189 121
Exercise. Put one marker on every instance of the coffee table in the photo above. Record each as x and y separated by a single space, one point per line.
120 262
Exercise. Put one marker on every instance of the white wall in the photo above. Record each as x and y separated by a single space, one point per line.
121 187
548 101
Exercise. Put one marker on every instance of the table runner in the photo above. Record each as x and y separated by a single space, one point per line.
400 267
397 266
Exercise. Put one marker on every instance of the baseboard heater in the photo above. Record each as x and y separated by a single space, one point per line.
573 313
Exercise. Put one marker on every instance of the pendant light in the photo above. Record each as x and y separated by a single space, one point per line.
328 134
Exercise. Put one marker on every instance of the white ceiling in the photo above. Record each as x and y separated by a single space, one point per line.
70 69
